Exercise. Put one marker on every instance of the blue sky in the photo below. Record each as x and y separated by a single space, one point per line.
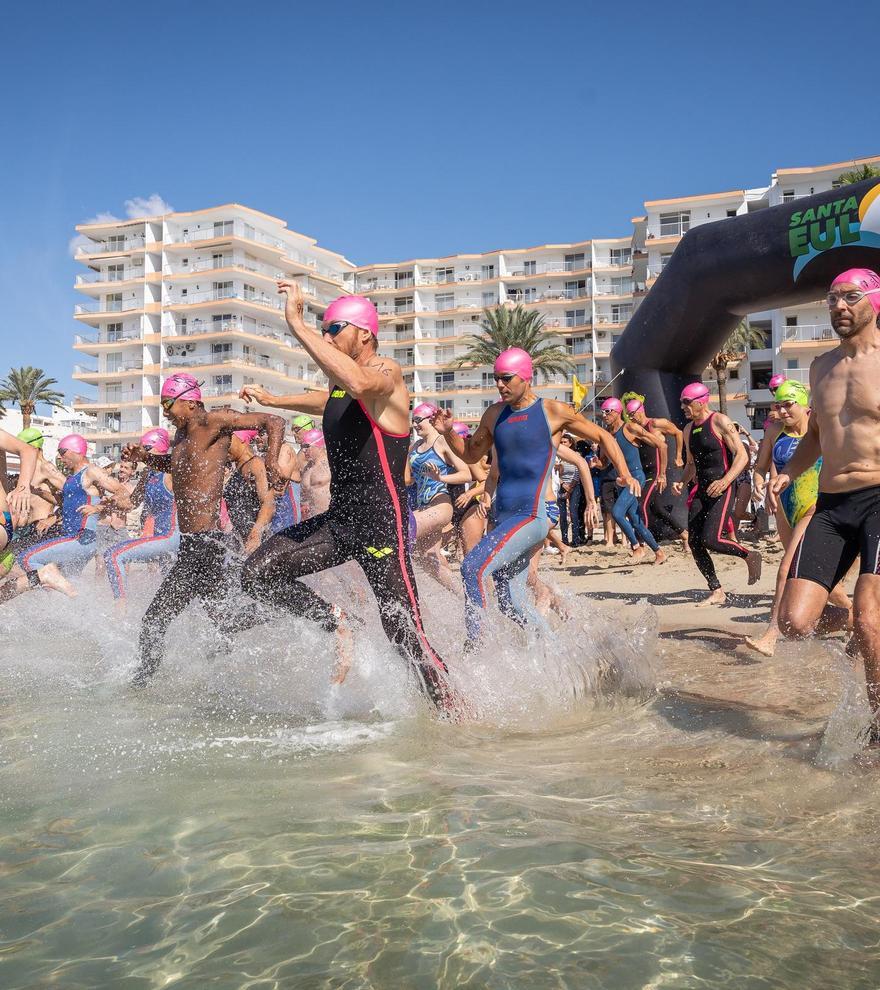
395 130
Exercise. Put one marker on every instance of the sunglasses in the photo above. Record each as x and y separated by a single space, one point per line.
336 328
419 419
504 379
167 404
851 298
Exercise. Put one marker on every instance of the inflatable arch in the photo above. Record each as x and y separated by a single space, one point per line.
720 272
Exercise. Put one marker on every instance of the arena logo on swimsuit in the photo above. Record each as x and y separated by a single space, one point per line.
837 224
517 419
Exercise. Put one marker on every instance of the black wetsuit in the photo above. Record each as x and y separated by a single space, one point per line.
242 501
366 522
708 526
652 510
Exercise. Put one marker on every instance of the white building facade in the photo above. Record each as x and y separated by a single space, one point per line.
196 291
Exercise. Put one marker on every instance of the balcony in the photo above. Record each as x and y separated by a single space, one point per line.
208 360
120 245
108 306
126 337
548 268
218 295
195 328
809 334
97 278
625 262
624 289
797 375
212 264
227 229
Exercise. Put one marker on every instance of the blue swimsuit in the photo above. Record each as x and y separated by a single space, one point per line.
525 451
77 543
162 545
626 506
426 487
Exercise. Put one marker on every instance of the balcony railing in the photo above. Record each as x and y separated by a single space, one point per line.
108 338
234 228
624 289
216 295
568 322
91 278
809 332
624 262
227 357
548 268
113 247
195 327
798 375
109 306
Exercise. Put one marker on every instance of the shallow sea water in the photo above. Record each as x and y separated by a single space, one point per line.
243 824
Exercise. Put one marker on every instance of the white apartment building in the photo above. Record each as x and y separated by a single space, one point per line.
193 291
59 423
197 291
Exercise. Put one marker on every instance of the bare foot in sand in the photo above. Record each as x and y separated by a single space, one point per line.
638 553
766 645
717 597
659 557
753 562
52 578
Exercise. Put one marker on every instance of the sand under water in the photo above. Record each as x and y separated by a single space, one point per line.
627 807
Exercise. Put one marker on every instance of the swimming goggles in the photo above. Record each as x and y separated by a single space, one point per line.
336 327
851 298
504 379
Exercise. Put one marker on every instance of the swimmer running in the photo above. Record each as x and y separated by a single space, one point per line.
844 428
524 430
366 433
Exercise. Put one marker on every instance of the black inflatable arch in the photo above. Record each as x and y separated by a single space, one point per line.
721 271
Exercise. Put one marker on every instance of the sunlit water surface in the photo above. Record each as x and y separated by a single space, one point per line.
242 823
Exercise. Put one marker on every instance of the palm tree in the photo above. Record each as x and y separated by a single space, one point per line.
741 338
858 175
28 386
515 326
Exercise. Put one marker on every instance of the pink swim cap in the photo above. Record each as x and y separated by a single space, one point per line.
776 381
246 436
357 310
694 392
462 429
181 386
314 438
633 406
612 405
156 440
514 361
866 280
74 443
424 410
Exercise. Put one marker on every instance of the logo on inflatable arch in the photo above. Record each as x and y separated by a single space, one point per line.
832 225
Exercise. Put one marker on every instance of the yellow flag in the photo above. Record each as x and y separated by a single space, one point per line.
578 391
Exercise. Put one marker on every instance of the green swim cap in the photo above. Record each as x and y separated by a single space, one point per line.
303 422
32 436
792 391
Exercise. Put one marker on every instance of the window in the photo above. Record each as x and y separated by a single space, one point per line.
113 302
444 300
403 305
444 379
791 321
444 328
222 290
115 273
787 195
488 380
621 286
675 224
761 374
403 280
620 314
575 317
218 260
731 213
578 345
445 275
445 354
575 289
404 331
664 260
487 271
222 228
250 291
530 294
530 268
621 256
574 262
114 331
222 321
219 349
223 381
488 300
791 364
403 355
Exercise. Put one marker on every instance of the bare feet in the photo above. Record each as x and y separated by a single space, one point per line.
684 542
52 578
659 557
753 562
344 652
766 645
638 553
717 597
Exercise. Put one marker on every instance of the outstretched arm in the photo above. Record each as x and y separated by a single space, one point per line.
20 496
307 402
578 426
374 380
230 420
475 447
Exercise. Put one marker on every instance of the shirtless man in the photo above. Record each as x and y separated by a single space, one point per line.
366 431
315 474
197 462
16 503
844 429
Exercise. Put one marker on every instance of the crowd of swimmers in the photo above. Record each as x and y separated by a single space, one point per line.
232 515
